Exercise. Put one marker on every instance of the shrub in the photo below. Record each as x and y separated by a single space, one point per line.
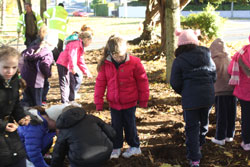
208 21
101 10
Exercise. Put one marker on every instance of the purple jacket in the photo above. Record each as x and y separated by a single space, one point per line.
36 65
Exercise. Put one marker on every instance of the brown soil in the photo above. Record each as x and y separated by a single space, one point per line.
160 126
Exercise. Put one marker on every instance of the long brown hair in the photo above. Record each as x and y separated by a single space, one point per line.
113 46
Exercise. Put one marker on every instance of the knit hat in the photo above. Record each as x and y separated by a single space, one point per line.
55 110
187 36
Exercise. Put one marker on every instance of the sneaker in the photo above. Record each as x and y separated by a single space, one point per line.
115 153
220 142
194 163
246 147
131 151
229 139
44 103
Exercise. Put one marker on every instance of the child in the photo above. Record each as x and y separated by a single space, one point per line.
36 69
225 102
85 139
193 76
79 76
126 81
11 154
239 69
38 135
68 62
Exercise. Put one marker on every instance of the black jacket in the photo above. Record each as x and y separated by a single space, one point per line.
193 76
11 147
85 139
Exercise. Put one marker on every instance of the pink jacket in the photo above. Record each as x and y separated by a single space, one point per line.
125 85
72 57
242 91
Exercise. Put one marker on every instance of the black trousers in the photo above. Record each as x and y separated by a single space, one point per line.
225 107
124 120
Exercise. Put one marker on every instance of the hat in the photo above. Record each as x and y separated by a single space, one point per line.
187 36
55 110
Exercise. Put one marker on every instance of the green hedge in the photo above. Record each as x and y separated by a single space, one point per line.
101 10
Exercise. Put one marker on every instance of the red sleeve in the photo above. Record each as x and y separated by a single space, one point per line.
142 84
100 87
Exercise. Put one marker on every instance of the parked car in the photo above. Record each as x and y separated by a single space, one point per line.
80 13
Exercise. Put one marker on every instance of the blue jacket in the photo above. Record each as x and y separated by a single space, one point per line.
193 76
36 138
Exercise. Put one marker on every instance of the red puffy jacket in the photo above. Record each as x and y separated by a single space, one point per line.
125 85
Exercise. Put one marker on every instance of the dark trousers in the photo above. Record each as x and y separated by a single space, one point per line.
245 121
29 40
32 96
225 107
21 163
57 50
196 128
45 89
67 84
124 119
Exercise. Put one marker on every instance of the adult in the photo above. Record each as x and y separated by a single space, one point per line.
31 23
58 19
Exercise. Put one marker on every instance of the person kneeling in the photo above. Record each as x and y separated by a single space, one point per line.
85 139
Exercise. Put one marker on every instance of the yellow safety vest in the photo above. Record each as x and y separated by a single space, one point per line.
58 19
21 23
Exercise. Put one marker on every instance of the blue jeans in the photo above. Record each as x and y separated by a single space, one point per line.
32 97
196 128
124 119
225 107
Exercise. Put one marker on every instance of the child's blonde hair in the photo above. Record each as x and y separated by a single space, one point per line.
8 51
114 45
85 35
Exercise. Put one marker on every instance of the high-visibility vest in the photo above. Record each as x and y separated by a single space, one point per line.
21 23
58 19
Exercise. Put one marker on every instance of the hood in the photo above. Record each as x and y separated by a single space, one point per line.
70 117
218 48
197 57
30 53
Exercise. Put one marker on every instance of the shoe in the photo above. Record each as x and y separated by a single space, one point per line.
115 153
246 147
194 163
220 142
131 151
229 139
44 103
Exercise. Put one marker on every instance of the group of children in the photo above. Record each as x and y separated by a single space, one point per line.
205 77
86 140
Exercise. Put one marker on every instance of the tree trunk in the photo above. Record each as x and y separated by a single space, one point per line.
152 14
172 23
20 9
43 7
3 8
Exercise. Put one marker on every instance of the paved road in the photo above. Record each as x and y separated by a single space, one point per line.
236 30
